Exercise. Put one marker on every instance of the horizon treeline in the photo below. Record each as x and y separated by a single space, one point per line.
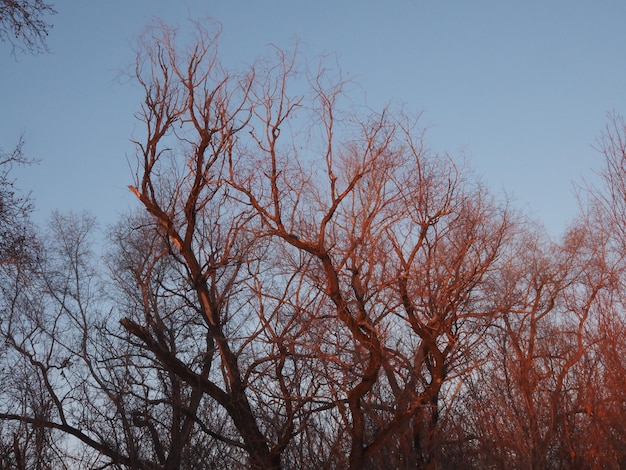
304 285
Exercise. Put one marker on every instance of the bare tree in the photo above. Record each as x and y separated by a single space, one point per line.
531 397
23 24
604 209
400 243
356 263
194 105
78 390
16 231
305 285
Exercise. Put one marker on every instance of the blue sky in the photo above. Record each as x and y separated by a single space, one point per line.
521 89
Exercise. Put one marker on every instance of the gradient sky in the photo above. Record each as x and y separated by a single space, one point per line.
521 89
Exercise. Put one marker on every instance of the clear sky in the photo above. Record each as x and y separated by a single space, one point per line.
522 89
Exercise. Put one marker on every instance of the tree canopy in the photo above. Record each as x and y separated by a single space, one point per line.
305 285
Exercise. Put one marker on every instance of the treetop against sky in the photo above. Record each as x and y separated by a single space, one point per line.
303 281
520 91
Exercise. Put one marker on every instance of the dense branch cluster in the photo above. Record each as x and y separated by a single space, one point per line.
304 285
23 24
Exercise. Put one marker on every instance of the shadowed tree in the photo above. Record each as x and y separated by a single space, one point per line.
16 231
23 24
